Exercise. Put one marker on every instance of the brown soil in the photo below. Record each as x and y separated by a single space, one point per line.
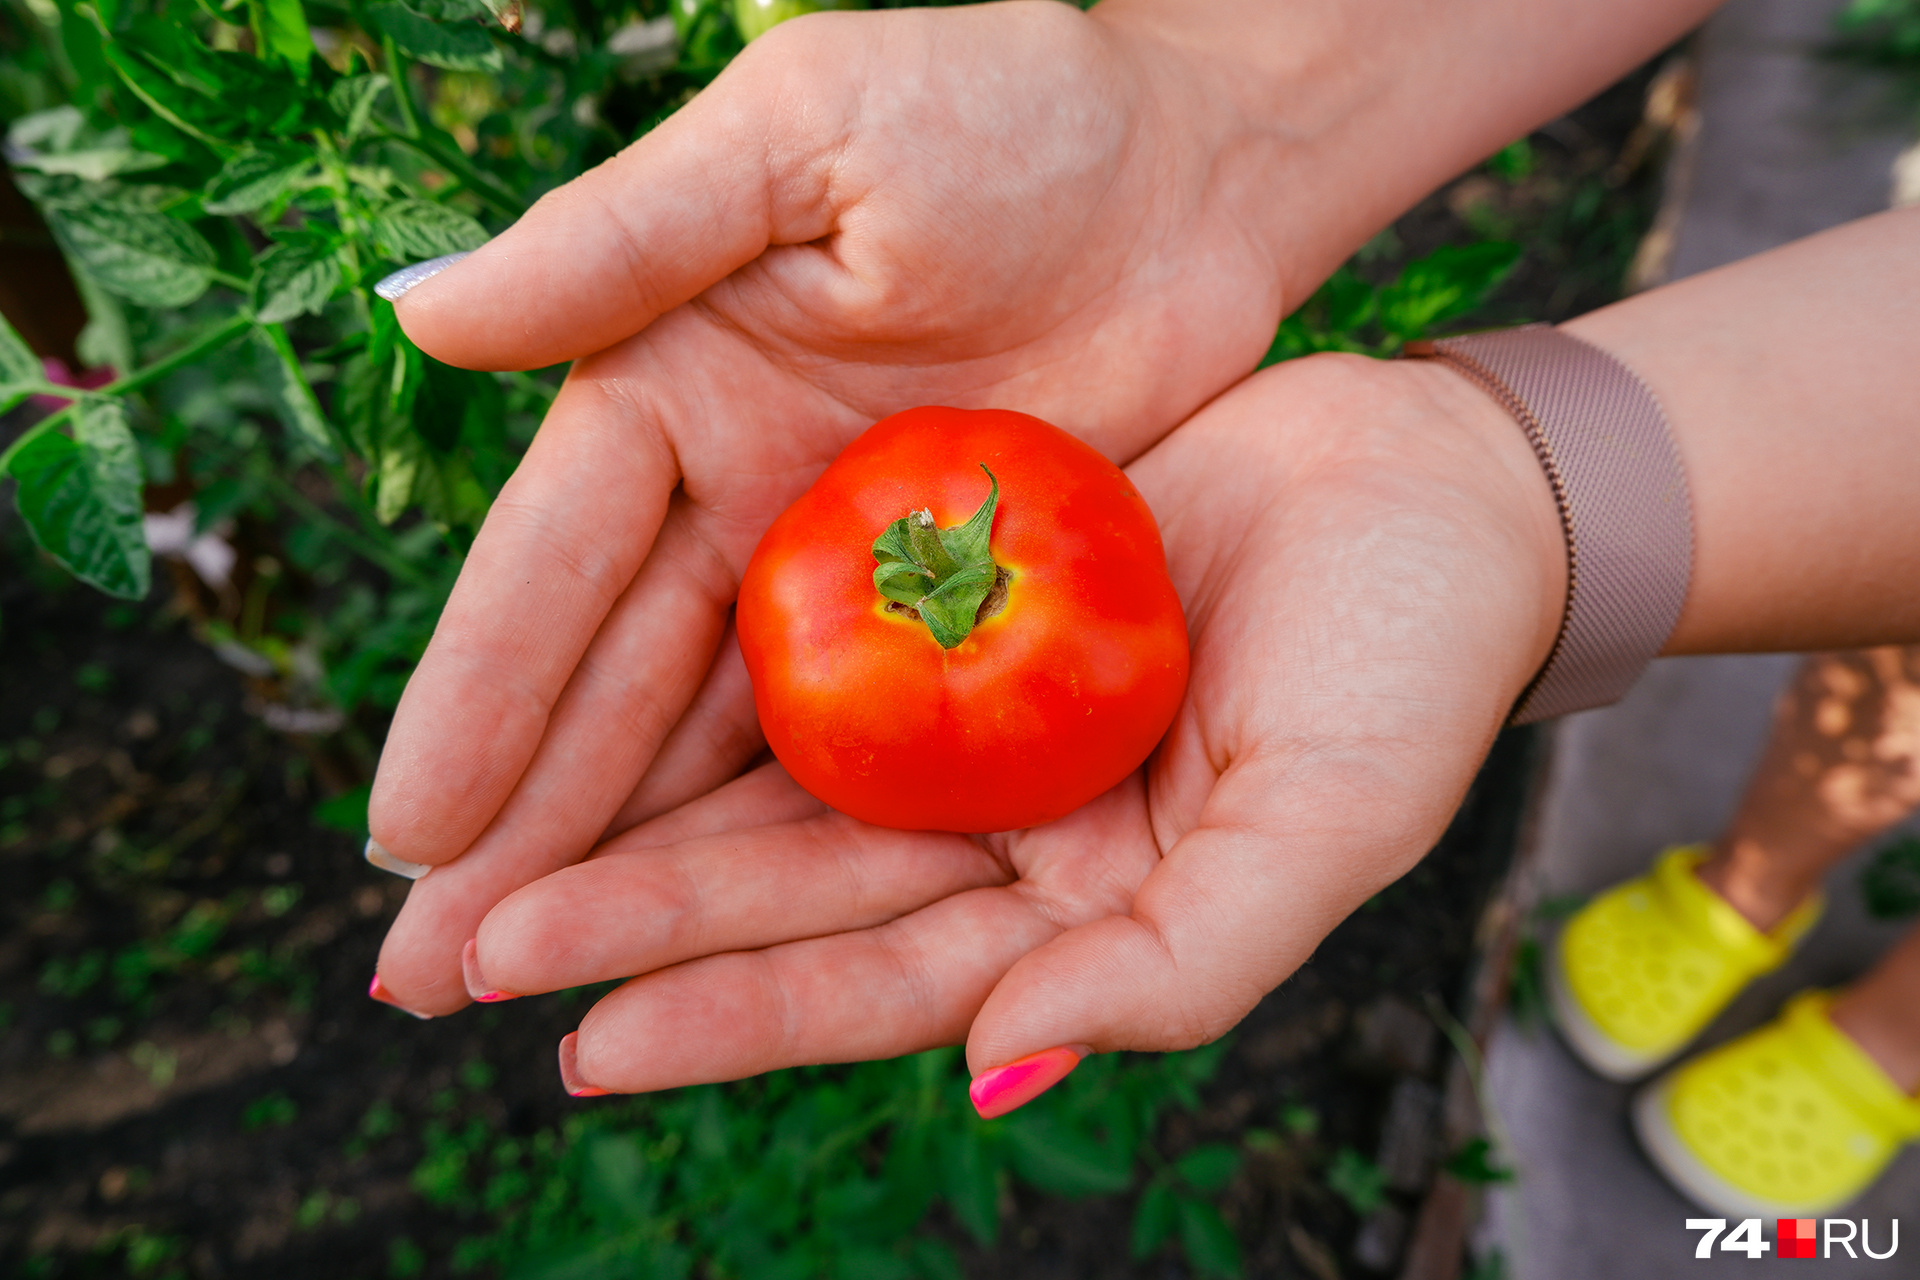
190 1070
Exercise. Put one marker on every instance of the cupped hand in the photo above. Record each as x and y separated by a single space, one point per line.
1010 205
1372 568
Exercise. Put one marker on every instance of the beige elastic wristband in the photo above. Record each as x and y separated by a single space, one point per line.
1624 507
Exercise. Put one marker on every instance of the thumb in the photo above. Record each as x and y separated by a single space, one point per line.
740 167
1230 911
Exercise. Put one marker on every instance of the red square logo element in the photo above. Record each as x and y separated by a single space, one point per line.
1796 1237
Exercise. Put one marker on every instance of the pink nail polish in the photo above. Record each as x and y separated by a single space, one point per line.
570 1071
476 981
1008 1088
379 992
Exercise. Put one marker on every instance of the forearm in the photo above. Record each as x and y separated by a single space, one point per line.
1792 383
1335 116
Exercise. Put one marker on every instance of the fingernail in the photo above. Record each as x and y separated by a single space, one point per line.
476 982
570 1071
407 277
1008 1088
379 992
379 857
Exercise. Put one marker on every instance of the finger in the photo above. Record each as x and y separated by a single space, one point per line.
760 798
740 167
905 986
1225 917
561 543
909 984
1347 682
636 910
712 742
628 689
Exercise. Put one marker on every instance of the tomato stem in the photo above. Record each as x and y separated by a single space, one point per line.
944 577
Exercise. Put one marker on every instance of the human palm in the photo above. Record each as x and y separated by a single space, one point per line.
1022 207
1371 569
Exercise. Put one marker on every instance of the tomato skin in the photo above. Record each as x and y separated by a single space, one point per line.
1044 706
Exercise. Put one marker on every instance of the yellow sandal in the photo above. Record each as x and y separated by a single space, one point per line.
1641 970
1789 1121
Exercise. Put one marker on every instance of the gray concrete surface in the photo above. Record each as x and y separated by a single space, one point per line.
1788 145
1791 143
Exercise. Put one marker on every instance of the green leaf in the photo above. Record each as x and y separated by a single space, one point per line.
1066 1162
440 408
293 400
280 32
618 1180
400 468
1891 882
901 580
1473 1164
182 107
950 608
217 97
255 178
1209 1242
409 230
294 280
345 812
95 164
106 341
866 1262
60 141
1153 1220
1208 1168
929 548
1348 300
353 100
944 574
81 499
449 10
145 257
456 48
934 1260
1357 1180
56 129
1448 282
972 1185
20 371
967 543
757 17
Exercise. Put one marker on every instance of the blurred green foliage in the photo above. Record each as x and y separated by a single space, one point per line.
227 179
828 1172
1891 882
1884 31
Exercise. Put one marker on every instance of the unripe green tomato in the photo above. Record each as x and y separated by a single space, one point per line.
757 17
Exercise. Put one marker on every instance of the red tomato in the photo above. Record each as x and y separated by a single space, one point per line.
1046 703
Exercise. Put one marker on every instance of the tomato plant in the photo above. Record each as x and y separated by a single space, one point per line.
966 624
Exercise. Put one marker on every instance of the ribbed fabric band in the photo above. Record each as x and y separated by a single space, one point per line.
1623 499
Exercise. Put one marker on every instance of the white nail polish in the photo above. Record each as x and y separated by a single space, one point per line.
406 277
380 858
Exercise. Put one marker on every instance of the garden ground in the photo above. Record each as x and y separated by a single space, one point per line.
192 1080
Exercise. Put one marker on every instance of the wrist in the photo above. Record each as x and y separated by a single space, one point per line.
1326 109
1474 445
1270 92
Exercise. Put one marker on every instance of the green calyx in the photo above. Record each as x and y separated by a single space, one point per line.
944 577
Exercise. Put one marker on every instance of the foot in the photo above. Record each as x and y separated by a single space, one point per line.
1791 1120
1642 969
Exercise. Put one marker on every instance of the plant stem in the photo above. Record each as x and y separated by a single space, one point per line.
366 547
483 186
402 91
213 338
